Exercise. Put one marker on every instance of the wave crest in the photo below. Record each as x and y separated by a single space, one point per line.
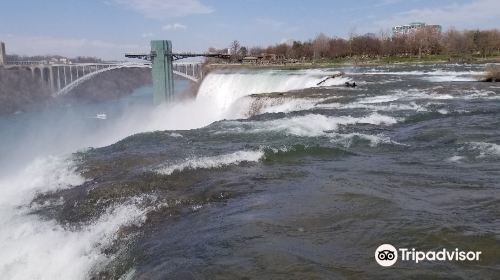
212 162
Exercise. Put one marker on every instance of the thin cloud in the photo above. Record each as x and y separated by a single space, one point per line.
473 14
147 35
161 9
174 26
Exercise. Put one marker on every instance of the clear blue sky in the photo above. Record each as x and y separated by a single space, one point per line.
108 28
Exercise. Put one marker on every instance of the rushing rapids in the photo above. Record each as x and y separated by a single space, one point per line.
264 173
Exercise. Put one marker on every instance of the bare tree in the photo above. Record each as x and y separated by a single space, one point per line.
320 46
235 48
338 47
485 41
281 50
256 51
458 43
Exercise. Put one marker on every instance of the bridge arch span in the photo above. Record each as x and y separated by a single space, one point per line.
69 87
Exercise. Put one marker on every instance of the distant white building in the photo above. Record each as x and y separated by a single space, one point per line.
59 60
414 26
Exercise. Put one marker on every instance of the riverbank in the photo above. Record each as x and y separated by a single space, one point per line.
328 63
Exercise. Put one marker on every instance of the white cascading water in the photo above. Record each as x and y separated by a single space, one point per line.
35 248
222 90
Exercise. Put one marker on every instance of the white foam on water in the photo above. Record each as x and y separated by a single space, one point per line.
436 72
347 139
379 99
381 82
485 149
390 106
35 248
452 78
438 75
42 175
311 125
441 72
212 161
479 94
175 135
404 95
455 158
412 106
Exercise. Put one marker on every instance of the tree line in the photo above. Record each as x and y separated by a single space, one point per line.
426 41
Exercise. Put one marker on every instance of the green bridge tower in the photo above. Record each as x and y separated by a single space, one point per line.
162 71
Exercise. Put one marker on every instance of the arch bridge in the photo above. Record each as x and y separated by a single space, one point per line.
63 78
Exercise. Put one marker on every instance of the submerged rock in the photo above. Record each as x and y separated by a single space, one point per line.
492 74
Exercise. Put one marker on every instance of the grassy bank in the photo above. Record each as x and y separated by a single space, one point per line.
326 63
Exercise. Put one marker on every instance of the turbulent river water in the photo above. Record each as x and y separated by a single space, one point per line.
265 175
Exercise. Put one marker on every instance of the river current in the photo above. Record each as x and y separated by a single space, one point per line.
265 175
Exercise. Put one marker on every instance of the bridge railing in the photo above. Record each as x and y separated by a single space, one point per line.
45 63
25 62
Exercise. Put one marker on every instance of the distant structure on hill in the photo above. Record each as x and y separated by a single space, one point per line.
414 26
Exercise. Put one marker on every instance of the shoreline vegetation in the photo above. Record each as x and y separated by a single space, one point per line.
426 45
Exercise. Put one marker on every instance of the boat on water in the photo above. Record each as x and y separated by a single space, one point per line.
101 116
